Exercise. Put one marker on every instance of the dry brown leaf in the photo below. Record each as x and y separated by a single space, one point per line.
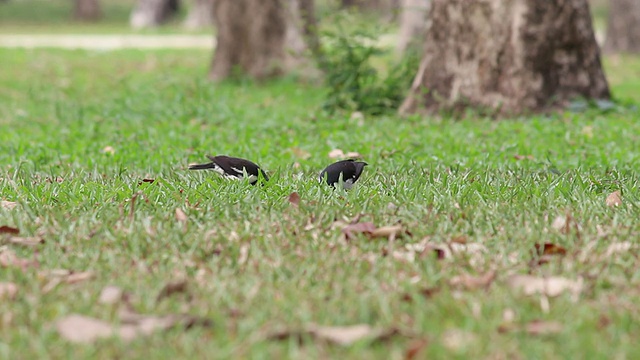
4 229
539 327
78 277
550 286
84 329
150 181
523 157
415 348
562 223
8 290
338 335
171 288
181 216
9 258
621 247
8 204
456 339
294 199
471 282
353 155
614 199
391 231
352 230
300 153
549 249
26 241
110 295
336 154
244 254
59 276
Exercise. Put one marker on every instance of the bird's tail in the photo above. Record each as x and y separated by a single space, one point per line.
202 166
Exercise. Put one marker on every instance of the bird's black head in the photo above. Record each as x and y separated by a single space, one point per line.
359 167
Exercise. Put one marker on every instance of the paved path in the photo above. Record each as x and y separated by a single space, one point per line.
124 41
108 42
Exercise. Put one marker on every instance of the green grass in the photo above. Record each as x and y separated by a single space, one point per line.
60 109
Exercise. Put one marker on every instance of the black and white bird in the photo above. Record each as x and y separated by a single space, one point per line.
345 171
233 168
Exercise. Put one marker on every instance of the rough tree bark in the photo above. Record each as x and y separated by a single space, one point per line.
413 21
623 28
261 38
507 56
87 10
200 15
152 13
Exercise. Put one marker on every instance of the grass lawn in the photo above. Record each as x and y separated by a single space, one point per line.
81 130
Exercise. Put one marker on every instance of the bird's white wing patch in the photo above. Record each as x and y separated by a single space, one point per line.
218 169
240 172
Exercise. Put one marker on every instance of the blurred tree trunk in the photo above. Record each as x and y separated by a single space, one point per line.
87 10
261 38
152 13
623 28
200 15
507 56
413 21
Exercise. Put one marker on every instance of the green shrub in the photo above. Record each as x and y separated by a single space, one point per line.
353 82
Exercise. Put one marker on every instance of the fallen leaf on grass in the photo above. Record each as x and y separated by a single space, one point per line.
150 181
26 241
338 335
539 327
523 157
617 248
415 348
471 282
352 230
8 204
181 216
300 153
108 150
111 294
614 199
339 154
4 229
389 232
550 286
336 153
171 288
562 223
244 254
457 339
83 329
8 290
549 249
57 277
294 199
9 258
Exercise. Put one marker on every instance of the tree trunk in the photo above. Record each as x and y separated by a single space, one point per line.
507 56
87 10
200 15
152 13
260 38
623 29
413 21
